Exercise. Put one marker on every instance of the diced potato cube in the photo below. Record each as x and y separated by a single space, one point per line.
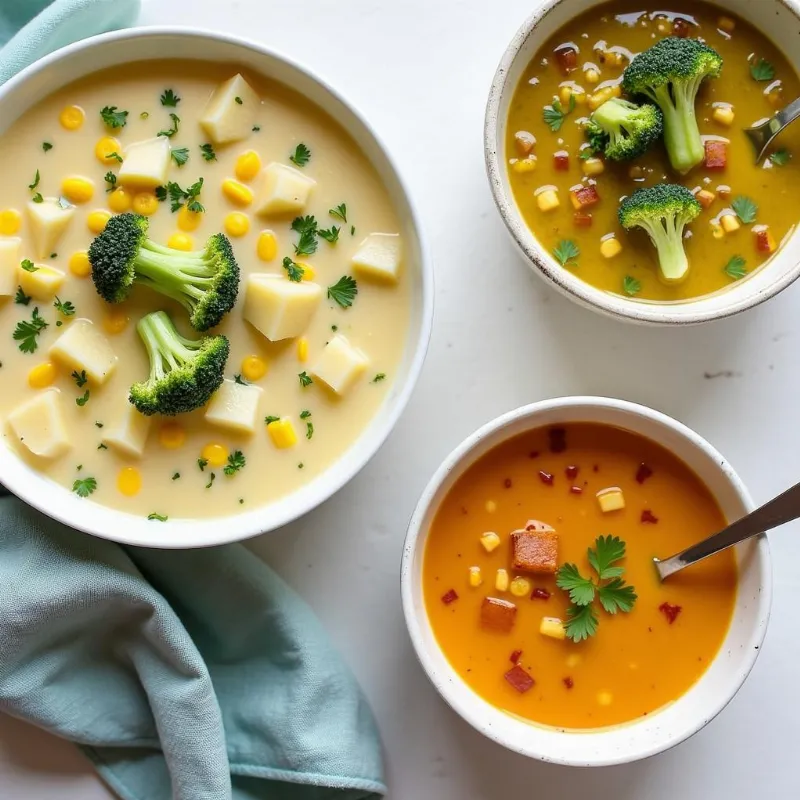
592 166
498 615
610 247
724 115
9 261
520 587
285 190
235 406
128 431
83 347
48 221
340 365
146 163
42 283
548 200
535 551
475 577
730 223
378 256
611 499
552 627
231 111
501 580
39 425
705 198
280 308
490 541
716 230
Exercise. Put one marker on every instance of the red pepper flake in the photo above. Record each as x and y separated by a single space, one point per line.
546 477
576 490
519 679
568 682
649 517
571 472
449 597
507 483
643 473
670 612
540 594
516 655
558 440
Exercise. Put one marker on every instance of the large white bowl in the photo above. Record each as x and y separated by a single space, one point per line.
658 731
139 44
780 21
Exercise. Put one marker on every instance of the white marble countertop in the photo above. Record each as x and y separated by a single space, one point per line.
420 70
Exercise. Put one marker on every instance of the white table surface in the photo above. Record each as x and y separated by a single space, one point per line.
420 70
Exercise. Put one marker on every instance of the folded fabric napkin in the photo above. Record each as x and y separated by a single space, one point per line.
193 675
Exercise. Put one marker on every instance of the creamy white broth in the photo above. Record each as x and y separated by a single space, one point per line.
376 323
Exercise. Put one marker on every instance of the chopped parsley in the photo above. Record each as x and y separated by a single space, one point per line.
343 291
295 271
631 286
83 399
567 252
340 212
301 155
144 115
37 198
83 487
46 146
176 476
157 517
180 155
111 179
170 99
238 100
780 158
26 332
28 265
170 132
555 114
305 414
305 379
309 430
307 228
330 235
211 478
236 461
381 376
114 156
762 70
202 463
352 230
79 378
256 128
240 380
36 179
98 424
179 196
113 117
20 298
270 419
745 209
207 150
735 268
102 446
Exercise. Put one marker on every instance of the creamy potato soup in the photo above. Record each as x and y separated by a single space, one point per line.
147 212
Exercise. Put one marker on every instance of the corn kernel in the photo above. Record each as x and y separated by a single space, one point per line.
189 220
267 246
593 166
120 200
724 115
237 224
553 627
602 95
215 454
180 241
105 147
573 659
548 200
730 223
71 117
79 264
520 587
564 94
610 499
716 230
302 349
129 481
605 698
726 24
610 247
591 76
42 375
171 435
145 203
247 165
10 221
501 580
490 541
254 368
77 189
282 433
475 577
115 321
523 165
97 220
580 95
236 192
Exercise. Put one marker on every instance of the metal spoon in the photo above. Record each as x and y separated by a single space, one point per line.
783 509
763 134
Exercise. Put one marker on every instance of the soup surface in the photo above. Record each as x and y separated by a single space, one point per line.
182 470
637 661
606 38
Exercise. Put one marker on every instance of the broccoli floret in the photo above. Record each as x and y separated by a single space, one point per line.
184 373
663 211
623 130
205 282
670 74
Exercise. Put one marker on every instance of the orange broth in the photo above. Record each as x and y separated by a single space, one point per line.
637 662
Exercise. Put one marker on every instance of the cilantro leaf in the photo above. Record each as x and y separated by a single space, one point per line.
268 420
28 265
780 158
36 179
66 307
236 461
566 252
581 623
343 291
631 286
170 132
113 117
180 155
83 400
381 376
79 378
305 379
26 332
111 179
20 298
607 550
330 235
581 590
202 463
295 271
762 70
745 209
340 212
240 380
46 146
554 114
616 595
307 228
114 156
309 430
735 268
301 156
170 99
207 150
84 487
305 414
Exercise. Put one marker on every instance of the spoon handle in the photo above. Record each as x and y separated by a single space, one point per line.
786 115
784 508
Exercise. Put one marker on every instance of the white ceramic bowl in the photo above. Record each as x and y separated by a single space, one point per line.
779 20
656 732
138 44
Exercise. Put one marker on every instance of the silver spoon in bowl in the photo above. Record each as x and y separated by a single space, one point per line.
784 508
763 134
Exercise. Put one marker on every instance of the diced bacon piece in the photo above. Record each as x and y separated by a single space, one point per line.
670 611
546 477
449 597
716 154
643 472
535 551
520 679
498 615
516 655
572 472
585 197
568 682
566 58
765 241
582 220
681 28
648 517
561 161
557 438
524 141
540 594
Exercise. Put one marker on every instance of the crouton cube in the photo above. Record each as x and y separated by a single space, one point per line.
611 499
552 627
234 406
9 261
83 347
280 308
39 281
48 222
490 541
285 190
146 163
340 365
378 256
231 111
39 425
498 615
128 432
535 551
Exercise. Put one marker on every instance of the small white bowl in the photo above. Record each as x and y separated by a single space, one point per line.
779 20
648 735
70 63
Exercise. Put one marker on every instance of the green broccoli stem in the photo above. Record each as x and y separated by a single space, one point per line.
164 345
667 236
612 118
681 134
182 276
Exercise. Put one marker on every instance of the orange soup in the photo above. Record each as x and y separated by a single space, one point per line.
538 503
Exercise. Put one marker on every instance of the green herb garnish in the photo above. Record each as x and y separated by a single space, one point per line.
270 419
567 252
295 271
170 132
236 461
202 463
26 332
762 70
113 117
208 151
301 155
176 476
554 114
170 99
340 212
343 291
83 399
180 155
735 268
28 265
307 228
381 376
240 380
114 156
111 179
79 378
238 100
20 298
745 209
305 379
157 517
211 478
84 487
36 179
309 430
46 146
330 235
631 286
780 158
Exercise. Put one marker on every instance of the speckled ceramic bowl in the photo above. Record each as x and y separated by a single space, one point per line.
778 19
662 729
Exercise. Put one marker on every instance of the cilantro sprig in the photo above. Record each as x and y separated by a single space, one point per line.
344 291
745 209
113 117
301 155
736 268
555 113
762 70
566 252
308 229
27 332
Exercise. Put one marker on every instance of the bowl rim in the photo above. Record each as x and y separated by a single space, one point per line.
471 712
130 529
543 264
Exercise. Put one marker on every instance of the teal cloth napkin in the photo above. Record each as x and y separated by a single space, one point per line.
193 675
